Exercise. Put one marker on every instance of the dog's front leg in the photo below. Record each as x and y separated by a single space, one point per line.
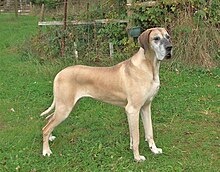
133 122
148 129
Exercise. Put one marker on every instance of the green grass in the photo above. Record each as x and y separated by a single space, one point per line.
95 137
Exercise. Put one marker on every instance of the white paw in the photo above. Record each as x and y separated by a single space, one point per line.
47 152
52 138
140 158
156 150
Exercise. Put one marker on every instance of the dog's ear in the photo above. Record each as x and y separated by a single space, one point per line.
143 39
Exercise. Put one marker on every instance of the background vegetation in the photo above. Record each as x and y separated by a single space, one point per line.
193 24
95 137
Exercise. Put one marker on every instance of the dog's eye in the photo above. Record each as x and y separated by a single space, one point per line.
167 36
157 38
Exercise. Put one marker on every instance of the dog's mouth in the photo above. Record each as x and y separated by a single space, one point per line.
169 51
168 55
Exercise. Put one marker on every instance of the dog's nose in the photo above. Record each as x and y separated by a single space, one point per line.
169 48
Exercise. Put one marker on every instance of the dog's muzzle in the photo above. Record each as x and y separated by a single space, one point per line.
168 51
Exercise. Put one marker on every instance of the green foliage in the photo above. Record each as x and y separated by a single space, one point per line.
193 25
114 33
48 46
207 11
187 21
168 10
48 3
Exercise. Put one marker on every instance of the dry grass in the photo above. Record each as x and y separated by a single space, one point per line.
194 44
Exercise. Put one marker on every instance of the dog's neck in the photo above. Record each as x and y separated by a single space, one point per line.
156 68
147 61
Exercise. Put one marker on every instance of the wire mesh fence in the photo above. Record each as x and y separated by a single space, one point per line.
93 30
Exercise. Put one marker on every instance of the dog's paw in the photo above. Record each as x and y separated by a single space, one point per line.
47 152
156 150
52 138
140 158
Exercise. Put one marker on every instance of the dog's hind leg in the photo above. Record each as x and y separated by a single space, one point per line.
62 111
51 137
49 109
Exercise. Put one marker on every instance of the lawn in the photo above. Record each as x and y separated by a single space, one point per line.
95 137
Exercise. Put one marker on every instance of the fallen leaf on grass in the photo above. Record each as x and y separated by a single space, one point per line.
202 99
188 133
177 71
17 168
206 112
218 85
12 110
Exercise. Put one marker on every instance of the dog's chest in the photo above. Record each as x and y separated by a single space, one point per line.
151 93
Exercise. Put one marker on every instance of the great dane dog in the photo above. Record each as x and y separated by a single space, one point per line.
131 84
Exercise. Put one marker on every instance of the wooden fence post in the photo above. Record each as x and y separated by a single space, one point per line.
42 13
111 49
41 16
21 7
130 21
64 29
16 8
75 51
31 8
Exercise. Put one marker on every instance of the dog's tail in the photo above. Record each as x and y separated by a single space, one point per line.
49 109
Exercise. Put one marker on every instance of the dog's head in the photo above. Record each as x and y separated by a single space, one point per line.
158 40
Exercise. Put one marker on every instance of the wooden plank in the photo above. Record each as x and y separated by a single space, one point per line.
75 22
24 11
104 21
50 23
142 4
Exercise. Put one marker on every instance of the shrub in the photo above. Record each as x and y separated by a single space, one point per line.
193 24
